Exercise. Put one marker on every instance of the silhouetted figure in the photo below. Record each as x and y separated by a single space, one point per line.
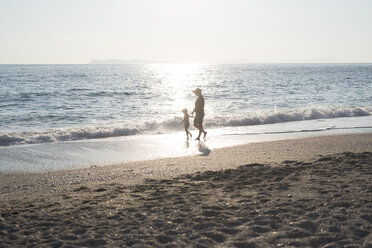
186 121
199 113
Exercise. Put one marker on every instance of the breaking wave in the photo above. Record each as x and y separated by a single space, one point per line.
291 115
57 135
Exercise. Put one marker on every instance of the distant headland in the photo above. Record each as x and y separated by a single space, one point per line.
121 61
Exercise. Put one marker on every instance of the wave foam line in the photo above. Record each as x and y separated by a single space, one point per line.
56 135
289 116
65 135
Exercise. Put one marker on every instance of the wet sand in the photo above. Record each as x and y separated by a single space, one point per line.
308 192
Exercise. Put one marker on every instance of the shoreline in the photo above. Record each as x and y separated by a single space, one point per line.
218 159
311 192
53 156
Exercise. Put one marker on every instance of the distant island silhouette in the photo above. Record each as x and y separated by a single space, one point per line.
121 61
140 61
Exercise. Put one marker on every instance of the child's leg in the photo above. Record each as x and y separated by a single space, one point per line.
187 130
189 133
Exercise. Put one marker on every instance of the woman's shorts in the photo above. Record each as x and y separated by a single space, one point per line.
198 120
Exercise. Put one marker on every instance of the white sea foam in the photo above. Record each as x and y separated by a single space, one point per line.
56 135
288 116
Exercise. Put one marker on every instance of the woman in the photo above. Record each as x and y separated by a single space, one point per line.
199 113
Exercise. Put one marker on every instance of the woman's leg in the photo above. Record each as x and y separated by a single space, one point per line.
204 132
196 124
198 138
201 129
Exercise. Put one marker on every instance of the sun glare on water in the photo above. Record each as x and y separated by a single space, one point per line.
177 82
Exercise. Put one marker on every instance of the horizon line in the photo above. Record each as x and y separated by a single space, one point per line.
149 63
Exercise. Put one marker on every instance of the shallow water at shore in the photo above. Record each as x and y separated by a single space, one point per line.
100 152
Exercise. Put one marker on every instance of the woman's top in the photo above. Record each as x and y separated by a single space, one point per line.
199 106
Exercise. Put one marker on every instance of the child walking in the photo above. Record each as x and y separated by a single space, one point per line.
186 121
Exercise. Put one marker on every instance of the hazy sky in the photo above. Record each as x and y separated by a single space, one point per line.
76 31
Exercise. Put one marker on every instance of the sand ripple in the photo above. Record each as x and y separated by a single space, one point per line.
322 203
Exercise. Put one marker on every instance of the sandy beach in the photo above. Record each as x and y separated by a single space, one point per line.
313 192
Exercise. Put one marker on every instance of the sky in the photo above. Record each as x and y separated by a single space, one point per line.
187 31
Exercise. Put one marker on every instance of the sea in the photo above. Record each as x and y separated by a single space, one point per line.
56 117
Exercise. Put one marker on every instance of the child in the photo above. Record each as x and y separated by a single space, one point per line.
186 121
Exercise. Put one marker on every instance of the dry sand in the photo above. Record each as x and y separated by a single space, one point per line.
309 192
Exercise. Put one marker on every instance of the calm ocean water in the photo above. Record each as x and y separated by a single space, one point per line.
48 103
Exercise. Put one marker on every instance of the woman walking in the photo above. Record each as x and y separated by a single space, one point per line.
199 113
